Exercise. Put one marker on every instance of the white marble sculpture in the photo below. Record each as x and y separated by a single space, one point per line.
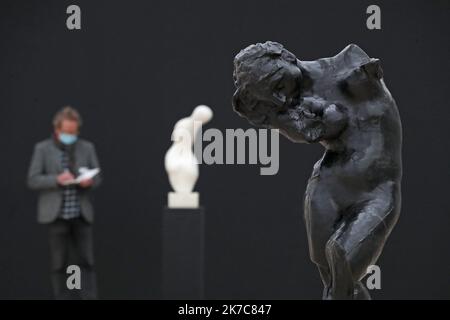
180 162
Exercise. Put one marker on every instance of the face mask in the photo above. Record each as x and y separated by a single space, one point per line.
67 139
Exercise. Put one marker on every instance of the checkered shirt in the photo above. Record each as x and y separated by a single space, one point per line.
70 207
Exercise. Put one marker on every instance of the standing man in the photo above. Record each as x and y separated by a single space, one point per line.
65 206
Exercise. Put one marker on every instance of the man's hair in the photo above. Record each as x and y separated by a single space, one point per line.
66 113
253 64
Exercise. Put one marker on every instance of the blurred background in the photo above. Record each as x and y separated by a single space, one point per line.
136 67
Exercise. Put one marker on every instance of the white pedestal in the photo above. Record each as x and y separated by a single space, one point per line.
183 200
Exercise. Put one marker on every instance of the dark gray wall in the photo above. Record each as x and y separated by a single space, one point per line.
138 66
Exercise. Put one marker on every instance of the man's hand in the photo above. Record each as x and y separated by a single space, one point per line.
86 183
64 177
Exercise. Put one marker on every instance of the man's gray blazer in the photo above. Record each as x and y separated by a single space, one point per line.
46 166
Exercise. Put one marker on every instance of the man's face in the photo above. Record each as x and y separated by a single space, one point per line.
68 127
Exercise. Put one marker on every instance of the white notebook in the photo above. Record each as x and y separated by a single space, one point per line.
85 173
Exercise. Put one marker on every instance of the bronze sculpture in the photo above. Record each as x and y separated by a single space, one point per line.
353 197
